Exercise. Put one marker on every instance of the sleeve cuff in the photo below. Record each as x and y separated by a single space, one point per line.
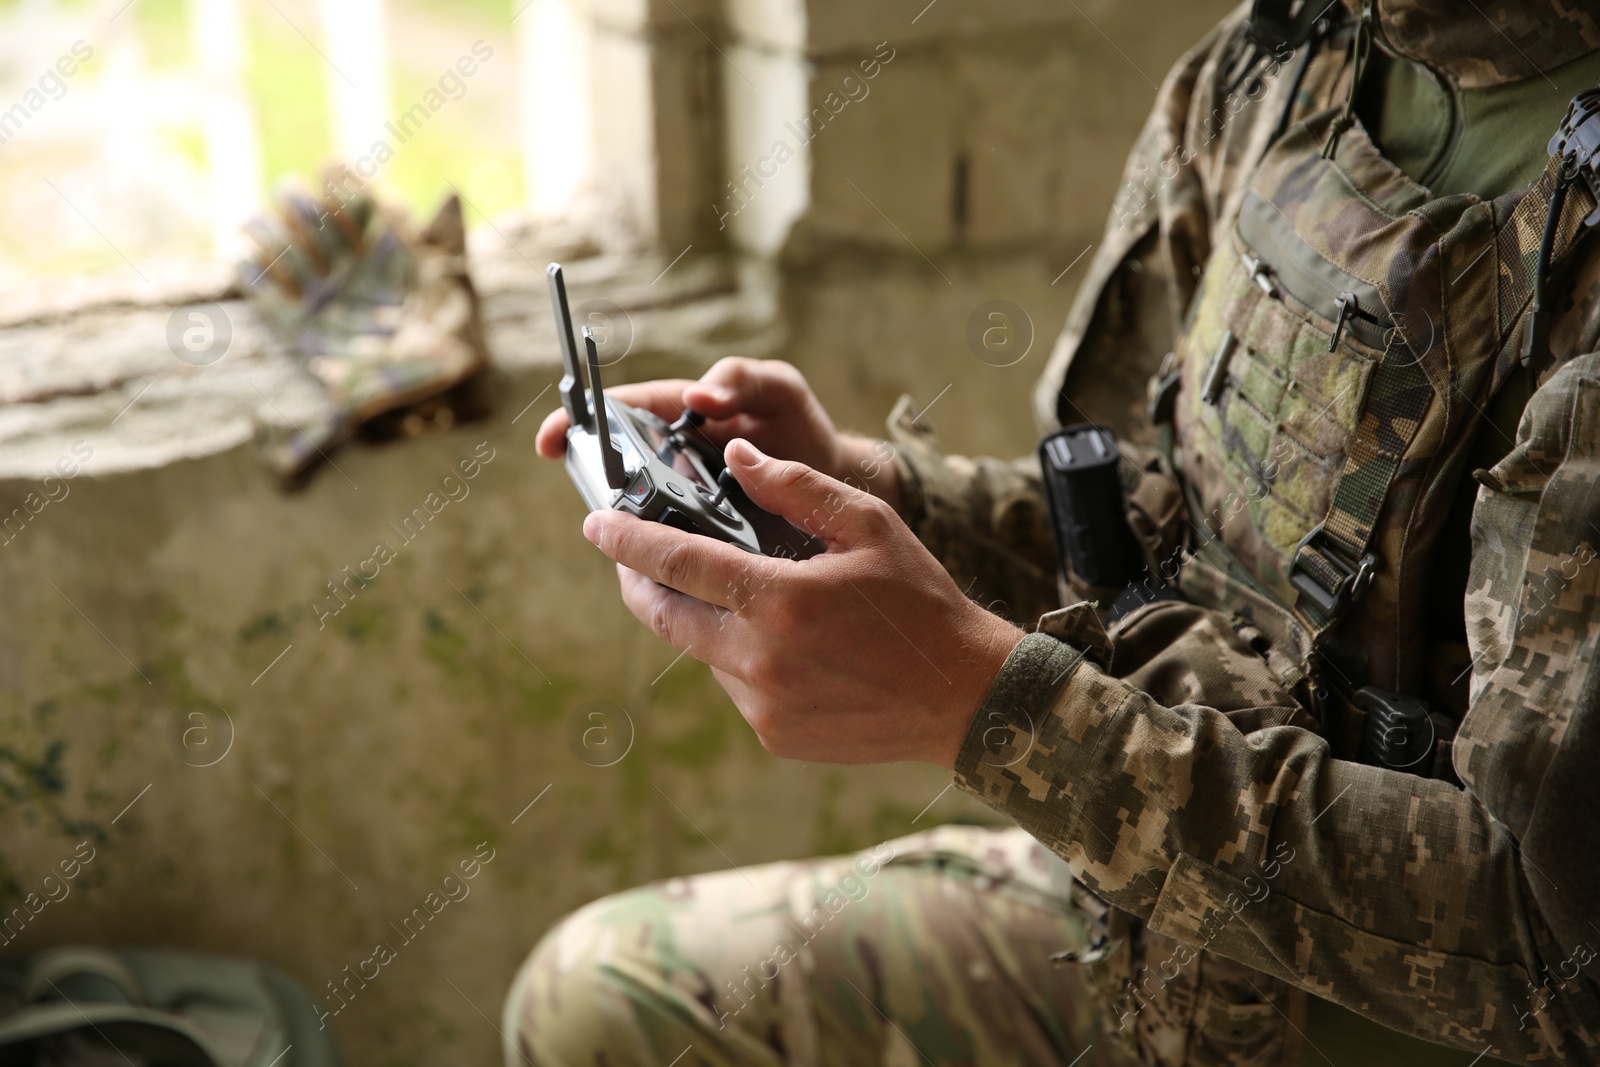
1008 721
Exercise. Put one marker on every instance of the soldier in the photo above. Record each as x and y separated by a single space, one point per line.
1329 794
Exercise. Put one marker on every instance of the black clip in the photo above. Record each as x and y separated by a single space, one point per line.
1271 30
1576 144
1217 373
1578 138
1163 392
1354 578
1347 304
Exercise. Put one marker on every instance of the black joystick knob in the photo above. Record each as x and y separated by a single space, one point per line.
688 420
725 481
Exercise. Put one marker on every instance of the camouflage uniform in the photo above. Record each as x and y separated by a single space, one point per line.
1333 352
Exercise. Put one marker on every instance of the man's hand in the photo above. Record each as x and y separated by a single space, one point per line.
766 402
867 653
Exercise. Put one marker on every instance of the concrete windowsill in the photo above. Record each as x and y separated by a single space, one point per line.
91 361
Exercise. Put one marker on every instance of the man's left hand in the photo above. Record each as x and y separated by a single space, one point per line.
865 653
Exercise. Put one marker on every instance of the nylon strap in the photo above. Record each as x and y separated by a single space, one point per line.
1399 397
1517 245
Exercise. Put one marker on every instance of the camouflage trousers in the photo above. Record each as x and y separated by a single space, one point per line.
931 949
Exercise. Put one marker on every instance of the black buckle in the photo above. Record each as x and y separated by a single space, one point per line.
1346 304
1579 140
1217 373
1163 391
1354 577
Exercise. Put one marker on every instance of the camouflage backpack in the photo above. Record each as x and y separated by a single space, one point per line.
90 1005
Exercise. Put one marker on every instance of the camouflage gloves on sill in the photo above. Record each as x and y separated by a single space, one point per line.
383 317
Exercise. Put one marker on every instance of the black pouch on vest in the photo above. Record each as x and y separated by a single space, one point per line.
1088 514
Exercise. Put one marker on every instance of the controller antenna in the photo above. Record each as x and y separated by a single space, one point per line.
616 473
571 380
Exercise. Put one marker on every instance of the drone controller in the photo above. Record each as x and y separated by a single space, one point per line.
625 458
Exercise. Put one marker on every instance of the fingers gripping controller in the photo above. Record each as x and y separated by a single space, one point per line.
625 458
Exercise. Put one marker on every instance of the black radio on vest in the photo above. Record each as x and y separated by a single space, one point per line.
1084 489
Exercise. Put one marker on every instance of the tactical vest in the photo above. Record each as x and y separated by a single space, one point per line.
1318 415
1337 360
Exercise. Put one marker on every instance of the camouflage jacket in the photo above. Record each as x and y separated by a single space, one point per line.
1465 914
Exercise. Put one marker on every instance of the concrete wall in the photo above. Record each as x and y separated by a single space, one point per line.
956 174
300 782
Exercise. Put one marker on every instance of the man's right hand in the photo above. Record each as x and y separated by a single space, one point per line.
766 402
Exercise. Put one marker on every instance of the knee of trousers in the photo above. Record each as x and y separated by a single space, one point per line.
575 999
